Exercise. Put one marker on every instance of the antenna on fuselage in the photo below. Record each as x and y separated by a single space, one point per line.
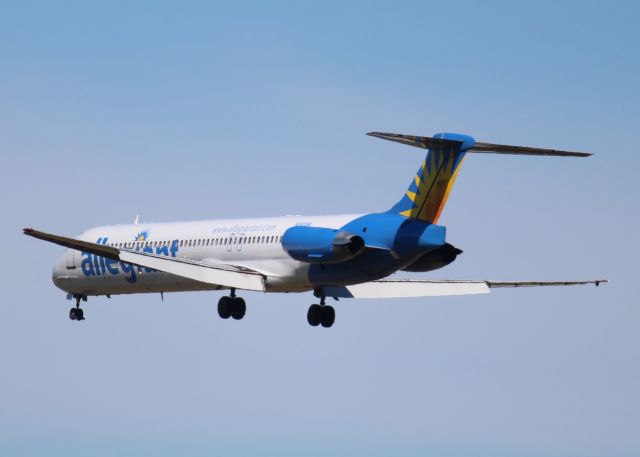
136 221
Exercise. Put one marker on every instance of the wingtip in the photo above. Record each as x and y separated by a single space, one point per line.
27 230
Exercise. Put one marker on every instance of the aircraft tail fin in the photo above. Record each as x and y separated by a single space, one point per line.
430 188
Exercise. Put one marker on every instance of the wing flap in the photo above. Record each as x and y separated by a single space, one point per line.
405 288
199 271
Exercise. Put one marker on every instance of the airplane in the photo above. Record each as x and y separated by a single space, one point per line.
340 256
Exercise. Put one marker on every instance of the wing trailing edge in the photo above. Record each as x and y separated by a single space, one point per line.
405 288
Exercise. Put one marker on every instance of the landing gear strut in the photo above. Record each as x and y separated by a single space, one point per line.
76 313
321 314
232 306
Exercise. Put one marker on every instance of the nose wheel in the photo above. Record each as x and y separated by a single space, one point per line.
76 313
232 306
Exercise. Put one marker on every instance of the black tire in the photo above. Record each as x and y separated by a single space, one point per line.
239 308
314 315
79 314
328 316
72 314
224 307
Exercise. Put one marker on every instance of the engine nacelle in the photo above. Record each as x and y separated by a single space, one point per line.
321 245
435 259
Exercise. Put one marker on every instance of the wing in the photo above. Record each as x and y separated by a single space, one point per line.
404 288
223 275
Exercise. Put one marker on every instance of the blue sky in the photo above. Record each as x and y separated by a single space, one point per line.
196 110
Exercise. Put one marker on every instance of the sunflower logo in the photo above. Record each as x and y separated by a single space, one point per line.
142 236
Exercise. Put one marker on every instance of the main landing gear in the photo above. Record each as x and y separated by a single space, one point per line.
76 313
321 314
232 306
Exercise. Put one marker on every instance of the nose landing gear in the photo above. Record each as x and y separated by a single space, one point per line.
76 313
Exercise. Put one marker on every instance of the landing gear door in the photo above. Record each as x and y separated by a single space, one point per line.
72 254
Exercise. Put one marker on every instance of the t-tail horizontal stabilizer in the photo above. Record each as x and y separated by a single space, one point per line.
426 142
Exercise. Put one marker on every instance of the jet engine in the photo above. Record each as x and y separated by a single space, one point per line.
435 259
321 245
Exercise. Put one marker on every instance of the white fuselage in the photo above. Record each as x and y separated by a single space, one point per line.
245 243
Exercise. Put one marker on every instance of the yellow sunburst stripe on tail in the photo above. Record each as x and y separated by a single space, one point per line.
447 191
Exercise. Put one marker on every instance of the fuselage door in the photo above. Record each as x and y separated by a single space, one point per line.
71 259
